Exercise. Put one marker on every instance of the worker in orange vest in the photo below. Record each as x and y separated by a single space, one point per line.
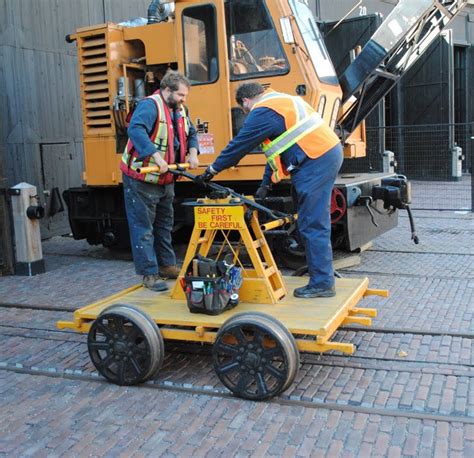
297 143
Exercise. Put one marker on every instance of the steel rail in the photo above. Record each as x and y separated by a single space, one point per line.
294 401
310 358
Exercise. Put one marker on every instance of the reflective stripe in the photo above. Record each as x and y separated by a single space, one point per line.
161 139
292 135
299 108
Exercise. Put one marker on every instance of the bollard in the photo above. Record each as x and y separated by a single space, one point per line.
27 212
456 162
389 162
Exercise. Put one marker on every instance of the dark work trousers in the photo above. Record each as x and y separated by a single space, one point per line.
150 220
313 183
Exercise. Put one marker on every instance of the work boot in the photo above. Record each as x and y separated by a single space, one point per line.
308 292
169 272
154 283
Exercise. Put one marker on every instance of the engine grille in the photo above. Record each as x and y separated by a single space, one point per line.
95 89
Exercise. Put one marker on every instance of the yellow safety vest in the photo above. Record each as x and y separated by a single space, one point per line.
163 139
304 125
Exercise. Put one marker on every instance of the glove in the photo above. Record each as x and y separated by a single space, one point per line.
262 191
204 178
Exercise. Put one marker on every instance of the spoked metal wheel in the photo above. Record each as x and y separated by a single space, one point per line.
125 345
255 356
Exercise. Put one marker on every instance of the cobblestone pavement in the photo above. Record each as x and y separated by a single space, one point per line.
407 391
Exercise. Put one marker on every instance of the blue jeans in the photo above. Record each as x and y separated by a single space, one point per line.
313 183
150 218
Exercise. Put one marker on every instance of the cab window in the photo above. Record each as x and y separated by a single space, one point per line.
253 44
200 44
314 42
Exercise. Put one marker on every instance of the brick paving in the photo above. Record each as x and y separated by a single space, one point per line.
52 417
431 288
428 385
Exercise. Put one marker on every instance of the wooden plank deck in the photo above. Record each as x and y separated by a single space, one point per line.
320 316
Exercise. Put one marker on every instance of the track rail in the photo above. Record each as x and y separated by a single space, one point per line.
293 401
357 361
372 329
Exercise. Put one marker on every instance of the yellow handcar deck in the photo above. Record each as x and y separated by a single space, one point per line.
311 321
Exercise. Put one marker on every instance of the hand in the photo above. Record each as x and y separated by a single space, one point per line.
160 162
204 178
193 158
262 192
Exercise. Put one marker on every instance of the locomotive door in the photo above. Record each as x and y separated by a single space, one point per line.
202 56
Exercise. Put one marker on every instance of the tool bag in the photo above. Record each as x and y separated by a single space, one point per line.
211 287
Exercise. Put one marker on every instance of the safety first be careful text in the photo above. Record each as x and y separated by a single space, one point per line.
216 218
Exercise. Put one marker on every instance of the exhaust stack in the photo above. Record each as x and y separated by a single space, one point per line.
159 11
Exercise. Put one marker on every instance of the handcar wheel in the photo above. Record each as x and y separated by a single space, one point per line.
125 345
255 356
161 342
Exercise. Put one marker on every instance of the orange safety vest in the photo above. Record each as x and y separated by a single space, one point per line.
163 138
304 125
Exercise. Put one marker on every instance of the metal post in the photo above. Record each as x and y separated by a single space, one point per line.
470 161
6 242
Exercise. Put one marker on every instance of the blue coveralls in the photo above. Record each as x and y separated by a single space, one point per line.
149 206
313 180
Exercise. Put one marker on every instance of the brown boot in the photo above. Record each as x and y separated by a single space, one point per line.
154 283
169 272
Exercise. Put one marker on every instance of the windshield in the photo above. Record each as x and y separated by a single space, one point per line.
314 42
253 44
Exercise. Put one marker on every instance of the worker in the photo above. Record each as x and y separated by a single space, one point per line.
297 142
160 133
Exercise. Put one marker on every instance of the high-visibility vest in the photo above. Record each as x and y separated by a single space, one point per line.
163 139
304 125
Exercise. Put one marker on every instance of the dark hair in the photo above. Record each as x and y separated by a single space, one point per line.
173 79
248 91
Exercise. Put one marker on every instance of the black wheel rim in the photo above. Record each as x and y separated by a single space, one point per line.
119 349
251 361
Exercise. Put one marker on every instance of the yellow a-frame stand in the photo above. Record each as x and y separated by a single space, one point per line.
263 283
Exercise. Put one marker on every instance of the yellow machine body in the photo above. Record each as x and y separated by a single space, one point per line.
219 45
108 52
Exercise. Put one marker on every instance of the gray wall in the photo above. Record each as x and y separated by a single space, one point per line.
40 126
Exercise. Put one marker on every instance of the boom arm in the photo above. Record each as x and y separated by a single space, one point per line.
401 39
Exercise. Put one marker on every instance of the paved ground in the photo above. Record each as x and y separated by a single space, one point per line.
408 390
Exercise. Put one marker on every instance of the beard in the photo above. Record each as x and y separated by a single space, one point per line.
171 102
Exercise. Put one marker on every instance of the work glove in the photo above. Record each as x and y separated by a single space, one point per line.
262 191
204 178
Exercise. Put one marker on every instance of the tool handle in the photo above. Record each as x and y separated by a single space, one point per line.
156 169
279 222
195 268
